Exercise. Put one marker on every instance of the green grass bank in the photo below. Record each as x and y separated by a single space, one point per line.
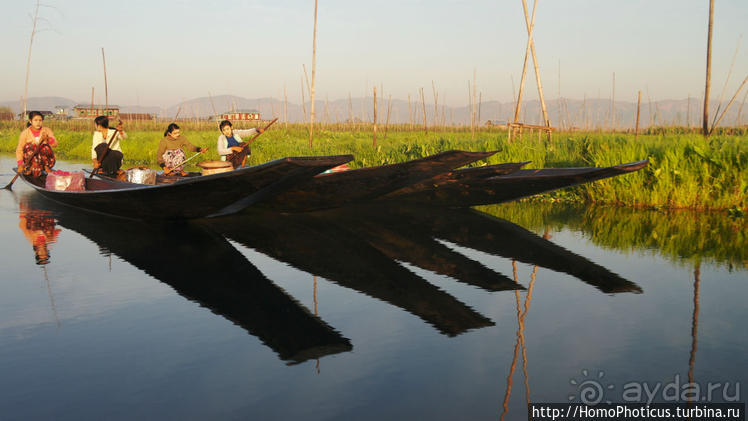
685 170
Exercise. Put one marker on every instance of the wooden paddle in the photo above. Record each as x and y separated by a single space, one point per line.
263 130
168 171
116 131
18 170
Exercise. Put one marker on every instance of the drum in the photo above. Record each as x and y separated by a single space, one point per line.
214 167
141 175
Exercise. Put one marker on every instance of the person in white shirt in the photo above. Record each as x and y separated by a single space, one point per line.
106 152
231 147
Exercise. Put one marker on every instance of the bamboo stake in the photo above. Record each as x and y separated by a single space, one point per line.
350 108
436 107
92 99
303 100
475 107
285 107
423 105
106 86
375 116
535 63
528 52
727 80
705 123
739 118
613 105
728 105
559 94
480 103
28 60
314 70
389 109
638 110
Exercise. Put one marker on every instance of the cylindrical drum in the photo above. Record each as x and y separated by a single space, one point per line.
214 167
141 175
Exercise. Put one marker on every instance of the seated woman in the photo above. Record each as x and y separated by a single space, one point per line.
34 153
171 150
106 152
230 144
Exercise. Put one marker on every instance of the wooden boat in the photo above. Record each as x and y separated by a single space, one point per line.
360 185
468 187
193 197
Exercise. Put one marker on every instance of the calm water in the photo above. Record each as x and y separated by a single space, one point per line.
369 314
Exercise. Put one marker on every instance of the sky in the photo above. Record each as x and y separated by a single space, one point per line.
159 53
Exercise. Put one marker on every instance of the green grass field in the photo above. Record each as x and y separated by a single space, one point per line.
685 170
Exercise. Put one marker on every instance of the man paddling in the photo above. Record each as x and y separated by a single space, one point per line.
106 152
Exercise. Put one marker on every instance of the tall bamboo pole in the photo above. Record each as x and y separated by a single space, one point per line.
739 117
638 110
423 106
524 65
106 86
285 107
613 105
705 123
436 107
728 105
314 70
389 110
535 63
28 60
303 100
375 116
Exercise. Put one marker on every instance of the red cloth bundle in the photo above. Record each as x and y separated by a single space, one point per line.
63 180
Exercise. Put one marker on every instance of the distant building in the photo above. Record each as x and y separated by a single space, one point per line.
136 116
88 111
240 115
45 114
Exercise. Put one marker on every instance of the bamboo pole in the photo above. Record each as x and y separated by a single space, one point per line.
375 116
303 100
559 95
215 113
389 109
480 103
285 107
106 86
436 107
423 106
410 113
535 63
92 99
638 110
613 105
350 108
728 105
705 123
739 118
475 106
524 65
28 60
314 70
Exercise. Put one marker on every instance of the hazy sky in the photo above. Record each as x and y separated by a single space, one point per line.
160 52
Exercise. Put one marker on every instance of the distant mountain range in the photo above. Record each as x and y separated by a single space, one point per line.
590 113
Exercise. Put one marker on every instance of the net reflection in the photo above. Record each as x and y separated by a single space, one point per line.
204 267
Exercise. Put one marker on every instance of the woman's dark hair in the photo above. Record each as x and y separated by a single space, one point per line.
33 114
223 124
171 128
102 121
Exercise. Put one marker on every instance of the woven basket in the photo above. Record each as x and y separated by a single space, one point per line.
214 167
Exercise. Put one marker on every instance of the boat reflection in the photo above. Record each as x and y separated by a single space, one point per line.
202 266
38 226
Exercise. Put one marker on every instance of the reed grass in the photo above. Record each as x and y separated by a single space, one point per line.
684 237
685 170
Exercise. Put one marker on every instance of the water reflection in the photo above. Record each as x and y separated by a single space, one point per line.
202 266
38 226
357 248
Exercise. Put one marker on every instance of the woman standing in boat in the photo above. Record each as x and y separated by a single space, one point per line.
106 152
171 150
230 144
34 153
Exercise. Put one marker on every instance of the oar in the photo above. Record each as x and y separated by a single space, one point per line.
116 131
266 127
18 172
169 171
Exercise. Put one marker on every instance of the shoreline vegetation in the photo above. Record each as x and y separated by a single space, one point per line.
685 171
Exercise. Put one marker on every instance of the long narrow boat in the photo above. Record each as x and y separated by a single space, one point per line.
468 187
194 197
361 185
